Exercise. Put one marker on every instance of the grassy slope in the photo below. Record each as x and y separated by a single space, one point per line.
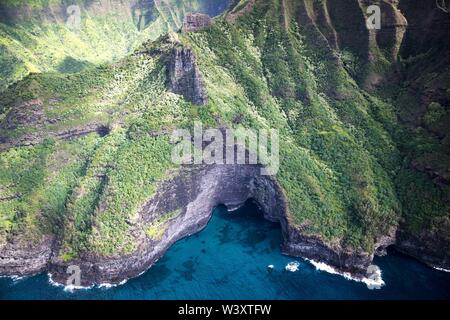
339 165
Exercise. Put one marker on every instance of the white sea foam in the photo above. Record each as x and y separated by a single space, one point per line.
292 266
17 279
111 285
73 288
374 282
70 288
270 266
14 278
441 269
233 209
52 282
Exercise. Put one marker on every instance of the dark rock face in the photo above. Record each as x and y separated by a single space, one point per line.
196 21
19 259
185 77
428 27
347 18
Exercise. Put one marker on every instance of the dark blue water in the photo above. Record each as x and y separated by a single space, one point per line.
229 259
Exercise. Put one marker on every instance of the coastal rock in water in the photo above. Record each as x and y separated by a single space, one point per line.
185 77
196 21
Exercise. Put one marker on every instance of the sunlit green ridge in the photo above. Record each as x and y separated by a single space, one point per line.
35 37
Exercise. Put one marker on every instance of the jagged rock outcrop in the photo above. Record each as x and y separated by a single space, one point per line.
185 77
196 21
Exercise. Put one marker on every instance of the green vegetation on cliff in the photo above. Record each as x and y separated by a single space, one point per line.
337 162
345 159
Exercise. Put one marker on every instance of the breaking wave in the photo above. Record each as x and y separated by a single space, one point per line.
374 282
292 266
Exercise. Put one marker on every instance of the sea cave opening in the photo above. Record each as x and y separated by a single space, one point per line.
249 227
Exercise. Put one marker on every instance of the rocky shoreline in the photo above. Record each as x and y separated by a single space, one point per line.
196 190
